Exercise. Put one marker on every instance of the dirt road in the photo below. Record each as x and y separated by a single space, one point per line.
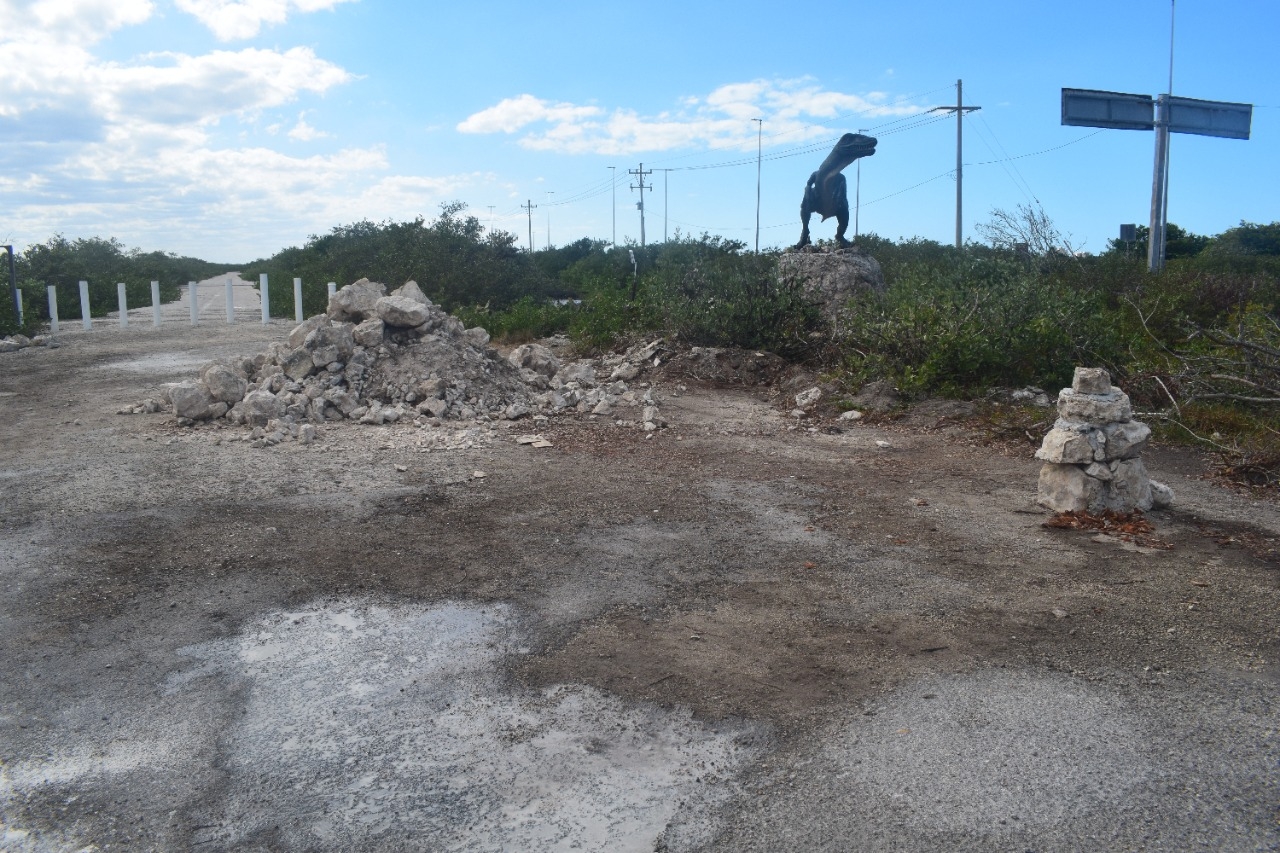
738 634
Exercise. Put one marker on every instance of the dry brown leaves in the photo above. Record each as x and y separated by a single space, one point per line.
1129 526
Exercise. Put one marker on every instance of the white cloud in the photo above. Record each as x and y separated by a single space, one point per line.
81 21
176 151
721 118
303 132
242 19
512 114
179 88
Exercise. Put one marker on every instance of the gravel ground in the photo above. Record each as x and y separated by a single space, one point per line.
739 634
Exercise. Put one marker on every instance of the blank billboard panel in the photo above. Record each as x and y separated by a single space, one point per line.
1095 108
1210 118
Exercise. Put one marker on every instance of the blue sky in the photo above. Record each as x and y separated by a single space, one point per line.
229 129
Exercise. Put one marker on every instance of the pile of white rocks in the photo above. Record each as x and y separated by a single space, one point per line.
379 358
1093 453
599 389
13 343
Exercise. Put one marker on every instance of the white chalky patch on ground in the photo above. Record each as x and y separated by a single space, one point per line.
367 723
162 364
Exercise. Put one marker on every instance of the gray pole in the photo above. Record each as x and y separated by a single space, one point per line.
857 195
529 207
1155 262
666 173
1159 187
13 286
641 205
759 131
960 109
640 173
550 193
959 163
613 181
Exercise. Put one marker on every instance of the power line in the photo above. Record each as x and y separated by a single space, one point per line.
1005 164
1036 153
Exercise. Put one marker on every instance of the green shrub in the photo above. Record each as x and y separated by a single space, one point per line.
103 263
973 322
453 259
526 320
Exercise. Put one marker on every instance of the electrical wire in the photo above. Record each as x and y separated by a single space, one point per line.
902 124
1005 163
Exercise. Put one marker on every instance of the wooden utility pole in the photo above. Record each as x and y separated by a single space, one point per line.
640 173
959 109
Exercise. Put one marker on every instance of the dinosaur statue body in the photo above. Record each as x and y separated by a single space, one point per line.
826 191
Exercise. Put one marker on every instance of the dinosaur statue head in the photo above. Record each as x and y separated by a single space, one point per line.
854 145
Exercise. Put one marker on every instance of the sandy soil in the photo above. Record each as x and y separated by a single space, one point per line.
738 634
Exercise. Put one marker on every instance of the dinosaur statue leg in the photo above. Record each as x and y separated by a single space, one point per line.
841 204
804 231
808 206
842 221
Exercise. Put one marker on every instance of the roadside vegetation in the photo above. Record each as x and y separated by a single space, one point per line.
1196 346
103 263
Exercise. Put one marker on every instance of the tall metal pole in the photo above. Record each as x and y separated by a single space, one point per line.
857 195
529 208
960 109
13 286
550 193
613 181
666 173
640 173
759 133
1159 186
1157 234
959 164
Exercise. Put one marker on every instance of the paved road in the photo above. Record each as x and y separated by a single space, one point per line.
211 298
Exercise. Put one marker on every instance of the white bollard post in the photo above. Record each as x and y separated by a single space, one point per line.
195 305
231 303
124 307
155 303
84 306
53 310
297 300
333 288
266 300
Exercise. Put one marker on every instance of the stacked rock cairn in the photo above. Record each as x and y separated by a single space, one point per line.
1093 453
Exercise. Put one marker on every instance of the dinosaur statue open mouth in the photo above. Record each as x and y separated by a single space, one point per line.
855 145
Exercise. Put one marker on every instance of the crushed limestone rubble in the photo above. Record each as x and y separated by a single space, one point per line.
13 343
377 358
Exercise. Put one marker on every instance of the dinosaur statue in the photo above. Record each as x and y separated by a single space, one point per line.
826 191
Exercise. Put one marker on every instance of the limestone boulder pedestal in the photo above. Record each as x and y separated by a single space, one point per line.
1093 453
829 278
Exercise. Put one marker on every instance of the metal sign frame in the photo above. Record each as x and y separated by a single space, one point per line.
1165 114
1208 118
1118 110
